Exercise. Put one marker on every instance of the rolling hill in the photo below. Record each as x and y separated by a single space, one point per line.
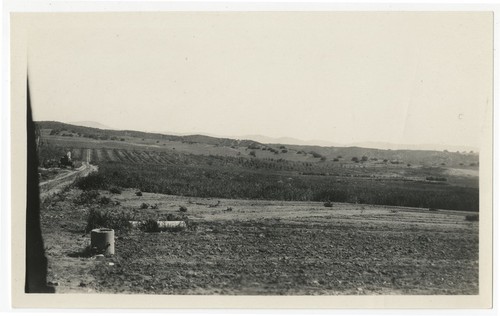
73 136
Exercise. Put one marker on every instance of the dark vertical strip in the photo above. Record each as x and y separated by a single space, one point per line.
36 262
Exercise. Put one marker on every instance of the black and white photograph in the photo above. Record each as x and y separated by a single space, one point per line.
264 154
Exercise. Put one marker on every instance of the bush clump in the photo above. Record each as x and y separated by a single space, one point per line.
150 226
316 154
115 190
138 193
87 197
328 204
183 209
104 200
144 206
93 181
108 219
472 218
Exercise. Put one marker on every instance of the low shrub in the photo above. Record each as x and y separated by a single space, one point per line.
104 200
144 206
93 181
328 204
138 193
183 209
108 219
87 197
150 226
315 154
115 190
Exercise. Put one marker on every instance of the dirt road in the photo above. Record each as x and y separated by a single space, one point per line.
55 185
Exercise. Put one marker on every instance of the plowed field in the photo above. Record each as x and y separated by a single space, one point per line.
265 247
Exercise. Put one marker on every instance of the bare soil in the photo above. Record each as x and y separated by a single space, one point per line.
249 247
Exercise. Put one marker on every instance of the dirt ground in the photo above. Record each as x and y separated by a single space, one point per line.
248 247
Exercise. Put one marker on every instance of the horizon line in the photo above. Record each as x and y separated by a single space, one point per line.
310 142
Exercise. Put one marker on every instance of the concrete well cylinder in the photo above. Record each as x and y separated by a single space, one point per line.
102 240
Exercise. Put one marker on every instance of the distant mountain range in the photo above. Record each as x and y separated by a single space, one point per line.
375 145
289 141
295 141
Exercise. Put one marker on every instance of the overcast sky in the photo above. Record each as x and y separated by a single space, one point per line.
410 78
